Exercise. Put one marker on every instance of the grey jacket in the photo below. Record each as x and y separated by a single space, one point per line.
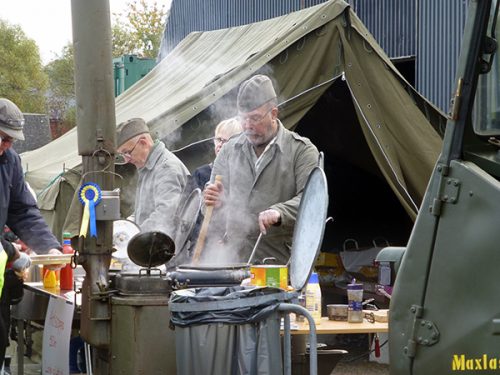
277 184
159 187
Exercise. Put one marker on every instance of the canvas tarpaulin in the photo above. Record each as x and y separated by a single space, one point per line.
304 52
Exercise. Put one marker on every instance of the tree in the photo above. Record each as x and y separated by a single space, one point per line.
61 94
140 30
22 78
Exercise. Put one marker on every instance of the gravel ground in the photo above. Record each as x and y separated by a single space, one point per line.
362 367
356 361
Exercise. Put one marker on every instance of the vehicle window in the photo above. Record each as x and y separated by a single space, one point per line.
486 112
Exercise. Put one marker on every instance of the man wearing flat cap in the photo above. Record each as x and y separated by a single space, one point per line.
18 209
162 177
264 171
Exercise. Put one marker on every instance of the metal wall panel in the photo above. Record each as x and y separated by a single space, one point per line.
391 22
203 15
440 29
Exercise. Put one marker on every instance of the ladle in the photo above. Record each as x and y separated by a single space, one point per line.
254 248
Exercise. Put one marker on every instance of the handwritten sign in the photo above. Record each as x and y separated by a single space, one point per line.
56 335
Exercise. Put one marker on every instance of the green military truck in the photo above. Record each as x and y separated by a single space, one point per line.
445 306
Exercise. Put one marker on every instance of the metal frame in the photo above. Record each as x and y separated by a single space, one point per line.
287 308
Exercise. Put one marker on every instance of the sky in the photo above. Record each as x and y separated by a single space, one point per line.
48 22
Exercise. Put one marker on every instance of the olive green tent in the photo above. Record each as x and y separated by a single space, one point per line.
335 85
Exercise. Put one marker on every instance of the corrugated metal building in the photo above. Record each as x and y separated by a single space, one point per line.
440 27
423 37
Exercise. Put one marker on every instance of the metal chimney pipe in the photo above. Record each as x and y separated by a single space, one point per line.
96 125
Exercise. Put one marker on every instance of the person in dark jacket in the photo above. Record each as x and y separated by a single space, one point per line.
18 208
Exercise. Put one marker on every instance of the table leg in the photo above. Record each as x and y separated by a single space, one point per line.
88 358
20 347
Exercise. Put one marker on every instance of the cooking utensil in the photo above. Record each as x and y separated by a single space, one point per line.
309 228
255 248
150 249
206 274
123 231
186 217
48 259
204 228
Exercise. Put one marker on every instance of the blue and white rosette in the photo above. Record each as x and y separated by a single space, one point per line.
90 195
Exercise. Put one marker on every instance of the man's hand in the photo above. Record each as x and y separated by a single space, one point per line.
22 263
54 267
212 194
267 218
54 252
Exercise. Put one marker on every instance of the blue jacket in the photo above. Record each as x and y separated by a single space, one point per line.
18 209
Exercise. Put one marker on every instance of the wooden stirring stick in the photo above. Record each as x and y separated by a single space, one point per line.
200 243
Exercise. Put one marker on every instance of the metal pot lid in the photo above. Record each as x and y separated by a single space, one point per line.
123 231
150 249
186 217
309 228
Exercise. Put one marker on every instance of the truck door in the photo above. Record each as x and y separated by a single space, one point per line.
445 309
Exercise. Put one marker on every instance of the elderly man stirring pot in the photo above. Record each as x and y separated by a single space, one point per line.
264 171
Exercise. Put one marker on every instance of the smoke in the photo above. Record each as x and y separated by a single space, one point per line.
224 246
177 132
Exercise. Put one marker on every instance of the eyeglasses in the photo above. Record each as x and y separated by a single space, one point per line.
220 141
370 317
6 139
128 154
254 119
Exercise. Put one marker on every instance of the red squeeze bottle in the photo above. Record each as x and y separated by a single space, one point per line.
66 279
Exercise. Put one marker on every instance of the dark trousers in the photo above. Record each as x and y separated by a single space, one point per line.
12 293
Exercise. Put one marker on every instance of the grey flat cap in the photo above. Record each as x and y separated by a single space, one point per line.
129 129
11 119
255 92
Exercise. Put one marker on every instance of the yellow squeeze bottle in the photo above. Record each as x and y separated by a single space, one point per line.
50 279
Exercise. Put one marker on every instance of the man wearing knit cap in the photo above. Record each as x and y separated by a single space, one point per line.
18 209
162 177
264 171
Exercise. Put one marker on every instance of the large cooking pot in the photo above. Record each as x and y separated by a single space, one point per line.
190 276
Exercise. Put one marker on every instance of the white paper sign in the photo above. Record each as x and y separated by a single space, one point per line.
56 335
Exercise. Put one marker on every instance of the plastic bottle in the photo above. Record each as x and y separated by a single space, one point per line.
49 278
355 298
66 278
313 298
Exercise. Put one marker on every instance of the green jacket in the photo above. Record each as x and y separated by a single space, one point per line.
277 183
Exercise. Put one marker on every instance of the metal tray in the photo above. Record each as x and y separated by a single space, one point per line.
51 259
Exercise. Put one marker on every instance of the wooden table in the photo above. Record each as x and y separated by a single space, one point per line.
340 327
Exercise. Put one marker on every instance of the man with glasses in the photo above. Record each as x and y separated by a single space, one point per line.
223 132
18 208
162 177
264 171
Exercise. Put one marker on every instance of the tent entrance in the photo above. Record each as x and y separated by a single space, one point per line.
362 203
